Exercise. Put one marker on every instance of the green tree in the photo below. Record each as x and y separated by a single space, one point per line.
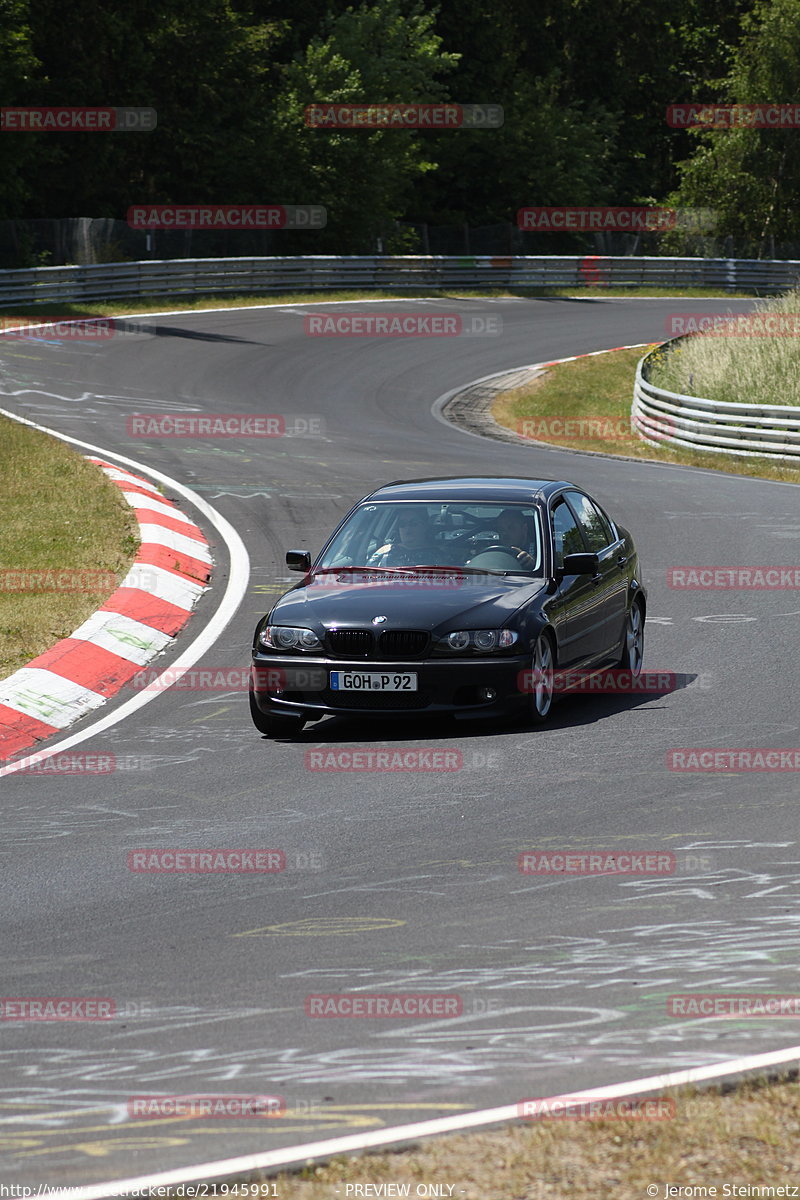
18 71
750 176
203 67
380 53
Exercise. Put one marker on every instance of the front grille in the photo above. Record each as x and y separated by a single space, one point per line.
402 643
351 643
376 700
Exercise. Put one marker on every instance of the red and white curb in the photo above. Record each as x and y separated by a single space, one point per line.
554 362
139 621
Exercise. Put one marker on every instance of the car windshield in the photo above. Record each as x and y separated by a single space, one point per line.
496 538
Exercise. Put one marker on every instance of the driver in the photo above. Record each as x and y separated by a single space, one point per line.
514 530
414 544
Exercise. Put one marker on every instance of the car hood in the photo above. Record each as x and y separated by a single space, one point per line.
473 602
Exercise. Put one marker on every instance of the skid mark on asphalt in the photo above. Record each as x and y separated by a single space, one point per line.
324 927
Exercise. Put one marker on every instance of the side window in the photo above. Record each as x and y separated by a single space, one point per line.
566 534
595 528
608 525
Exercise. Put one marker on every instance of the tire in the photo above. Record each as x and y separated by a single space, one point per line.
633 642
275 725
542 666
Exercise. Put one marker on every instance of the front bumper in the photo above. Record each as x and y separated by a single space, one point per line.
293 685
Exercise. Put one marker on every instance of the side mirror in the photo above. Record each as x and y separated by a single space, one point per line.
580 564
298 560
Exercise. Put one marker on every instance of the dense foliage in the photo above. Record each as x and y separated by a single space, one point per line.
584 86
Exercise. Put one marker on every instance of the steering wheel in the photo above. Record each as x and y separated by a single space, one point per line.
499 546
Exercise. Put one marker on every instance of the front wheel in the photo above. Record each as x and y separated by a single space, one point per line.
541 679
633 644
275 725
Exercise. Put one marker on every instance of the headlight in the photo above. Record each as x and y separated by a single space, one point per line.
458 641
287 637
480 640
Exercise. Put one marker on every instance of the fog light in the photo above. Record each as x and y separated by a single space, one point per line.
488 694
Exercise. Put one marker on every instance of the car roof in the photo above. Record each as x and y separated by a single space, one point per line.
498 488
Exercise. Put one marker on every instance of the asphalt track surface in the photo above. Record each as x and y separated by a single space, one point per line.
416 889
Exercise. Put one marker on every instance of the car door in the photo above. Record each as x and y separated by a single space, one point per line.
612 587
580 632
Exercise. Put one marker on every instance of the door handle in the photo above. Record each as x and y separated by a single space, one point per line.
597 578
622 559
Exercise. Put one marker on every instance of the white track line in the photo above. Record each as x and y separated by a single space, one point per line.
273 1159
234 594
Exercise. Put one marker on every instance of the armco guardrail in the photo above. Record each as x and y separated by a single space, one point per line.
762 430
204 276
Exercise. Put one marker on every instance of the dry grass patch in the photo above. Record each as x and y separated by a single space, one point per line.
744 1138
60 513
742 360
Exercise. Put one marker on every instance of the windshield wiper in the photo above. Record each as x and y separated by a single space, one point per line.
452 570
352 570
448 570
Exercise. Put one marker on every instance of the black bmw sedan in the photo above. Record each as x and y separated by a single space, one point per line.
450 596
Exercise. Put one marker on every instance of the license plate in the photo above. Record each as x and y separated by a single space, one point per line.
372 681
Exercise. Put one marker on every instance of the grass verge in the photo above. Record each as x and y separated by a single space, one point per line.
60 514
120 308
586 405
746 1137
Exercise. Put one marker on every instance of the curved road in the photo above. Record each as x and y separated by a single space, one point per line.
396 881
